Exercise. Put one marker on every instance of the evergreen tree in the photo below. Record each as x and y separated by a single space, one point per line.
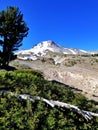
12 31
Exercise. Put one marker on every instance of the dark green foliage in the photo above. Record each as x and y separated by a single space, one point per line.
95 55
12 31
26 115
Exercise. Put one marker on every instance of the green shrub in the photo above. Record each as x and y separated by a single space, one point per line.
26 115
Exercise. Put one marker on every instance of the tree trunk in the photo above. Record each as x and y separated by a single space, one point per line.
5 56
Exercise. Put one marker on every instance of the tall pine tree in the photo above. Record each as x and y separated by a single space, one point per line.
12 31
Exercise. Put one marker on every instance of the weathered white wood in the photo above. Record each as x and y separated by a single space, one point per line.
86 114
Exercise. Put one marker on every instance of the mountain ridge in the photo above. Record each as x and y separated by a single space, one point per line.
40 50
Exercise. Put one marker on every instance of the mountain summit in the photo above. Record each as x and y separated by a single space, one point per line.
42 48
46 46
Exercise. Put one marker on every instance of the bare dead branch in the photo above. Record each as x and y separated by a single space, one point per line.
86 114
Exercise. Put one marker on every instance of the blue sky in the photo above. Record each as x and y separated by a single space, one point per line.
70 23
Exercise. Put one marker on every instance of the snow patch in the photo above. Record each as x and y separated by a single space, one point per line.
83 51
72 51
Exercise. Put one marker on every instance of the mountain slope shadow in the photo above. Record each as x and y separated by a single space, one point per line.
65 85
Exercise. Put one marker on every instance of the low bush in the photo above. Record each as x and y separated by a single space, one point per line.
26 115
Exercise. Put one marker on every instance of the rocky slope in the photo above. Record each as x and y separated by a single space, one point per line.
80 72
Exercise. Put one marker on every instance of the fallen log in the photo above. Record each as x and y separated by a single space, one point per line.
86 114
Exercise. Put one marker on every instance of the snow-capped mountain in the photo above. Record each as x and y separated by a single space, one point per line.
42 48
